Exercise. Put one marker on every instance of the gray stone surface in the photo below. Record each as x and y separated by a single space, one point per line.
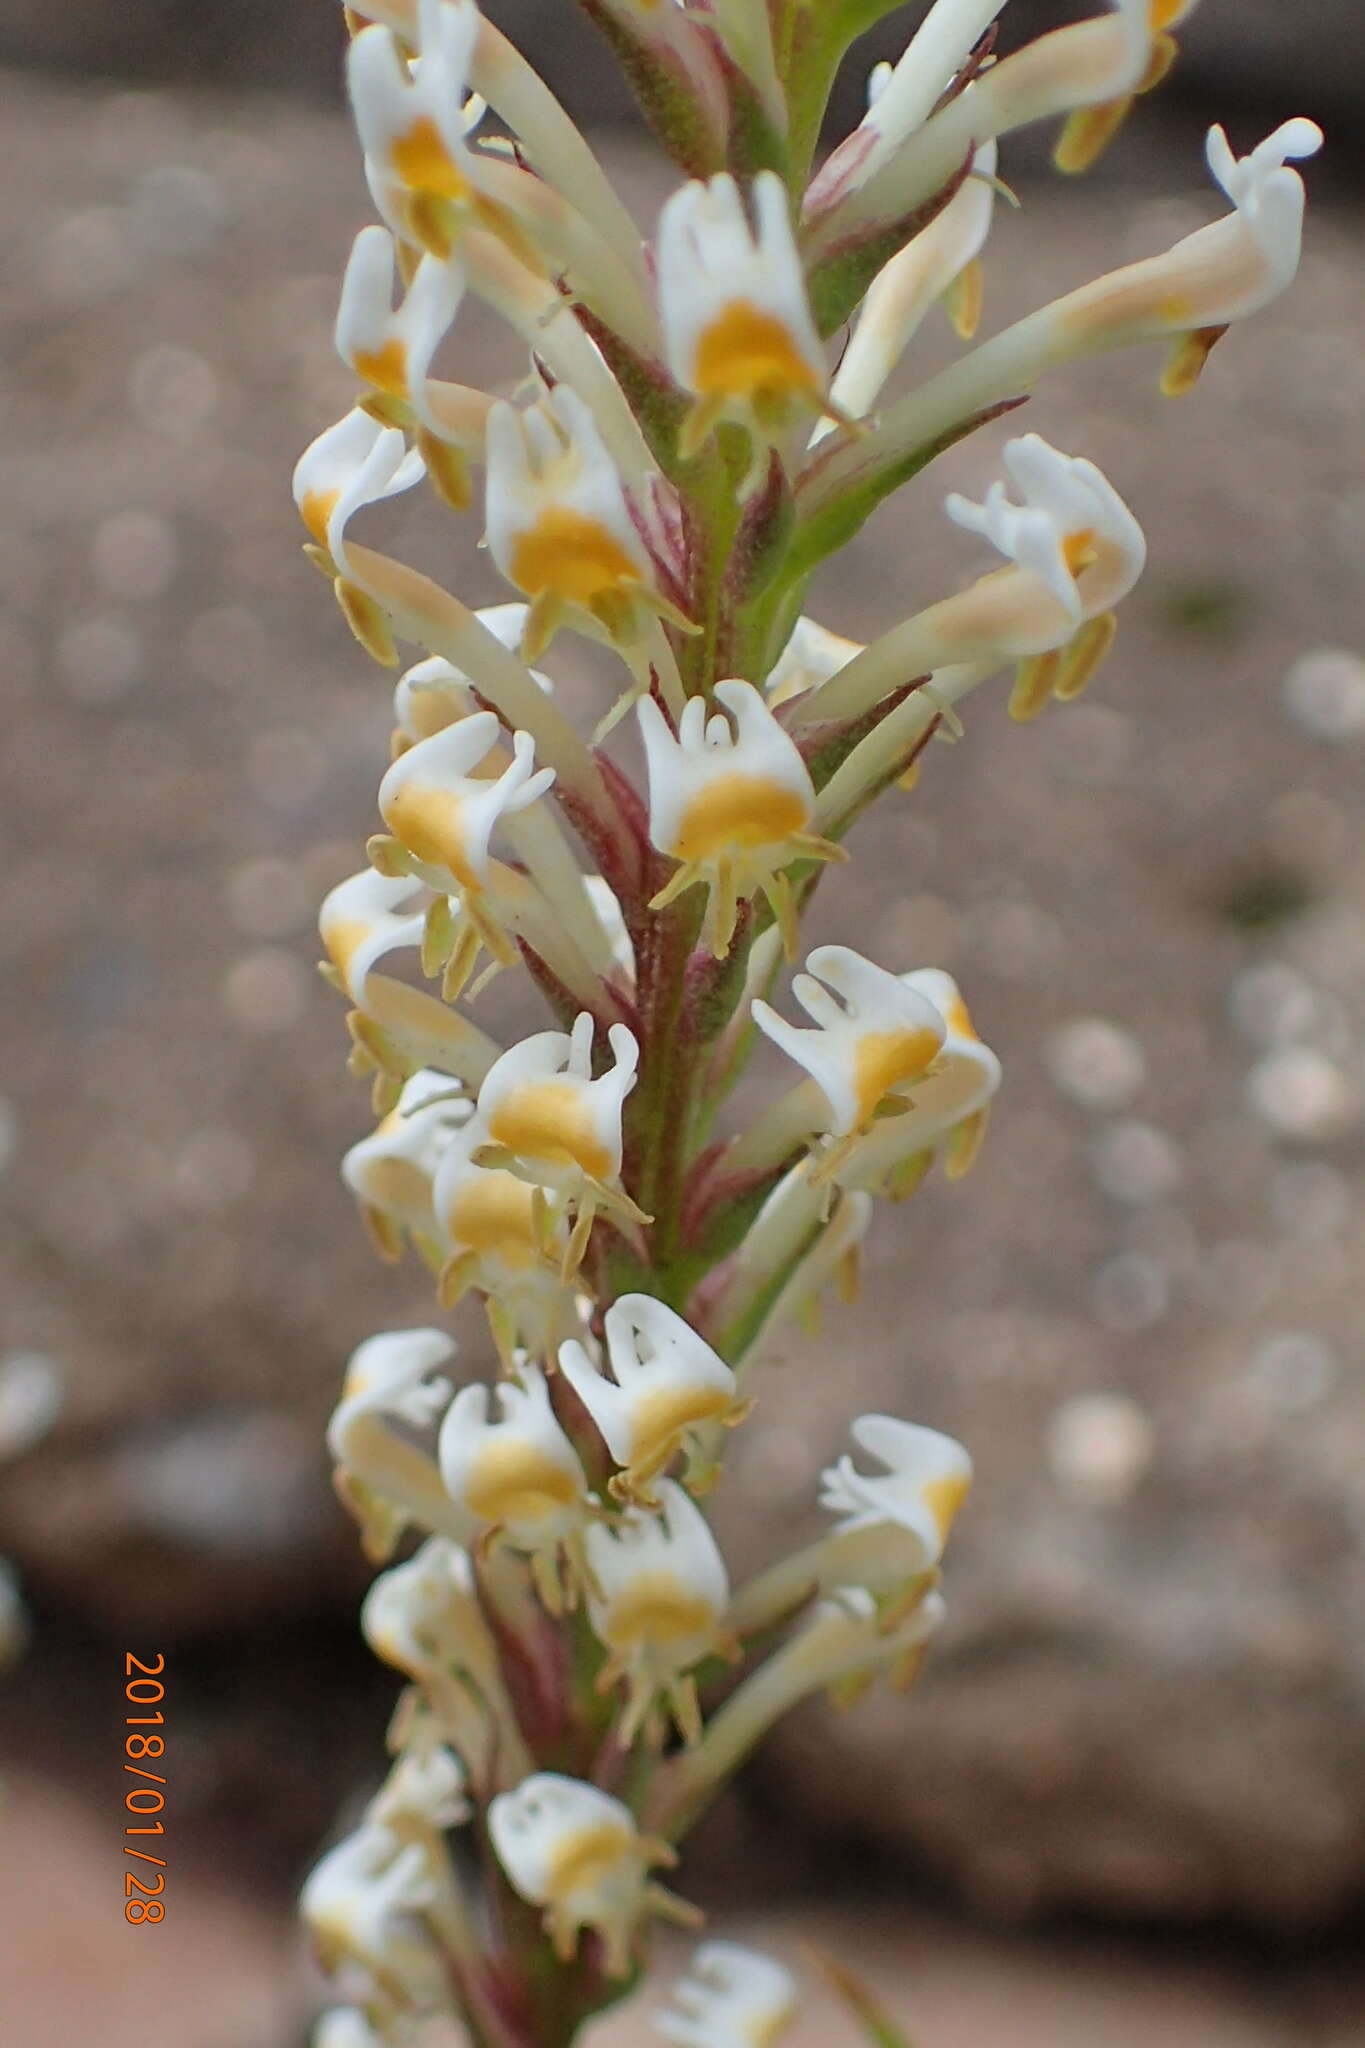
1151 1695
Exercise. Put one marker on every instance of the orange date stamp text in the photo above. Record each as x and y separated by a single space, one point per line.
144 1750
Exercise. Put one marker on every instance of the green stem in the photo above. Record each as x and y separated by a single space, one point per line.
811 40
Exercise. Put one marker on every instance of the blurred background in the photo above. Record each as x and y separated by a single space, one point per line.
1127 1803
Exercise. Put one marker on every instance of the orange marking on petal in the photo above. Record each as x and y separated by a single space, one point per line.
553 1121
495 1213
514 1482
571 555
887 1059
738 810
424 164
943 1497
315 509
385 367
429 823
747 353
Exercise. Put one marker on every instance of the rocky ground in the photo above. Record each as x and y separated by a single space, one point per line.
1142 1312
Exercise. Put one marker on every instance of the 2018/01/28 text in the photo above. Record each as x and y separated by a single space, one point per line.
143 1746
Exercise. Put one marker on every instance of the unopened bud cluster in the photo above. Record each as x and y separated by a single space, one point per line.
670 458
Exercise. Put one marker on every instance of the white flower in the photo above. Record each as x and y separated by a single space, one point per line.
571 1848
893 1526
503 1238
562 528
433 694
811 656
392 351
949 1103
360 922
443 813
355 463
391 1172
365 1904
443 799
1269 199
738 331
426 1791
732 805
548 1118
668 1391
385 1478
520 1476
413 120
1072 531
658 1590
397 1029
424 1617
1221 273
731 1997
874 1037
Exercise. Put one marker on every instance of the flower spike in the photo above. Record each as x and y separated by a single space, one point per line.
669 1392
732 805
662 477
